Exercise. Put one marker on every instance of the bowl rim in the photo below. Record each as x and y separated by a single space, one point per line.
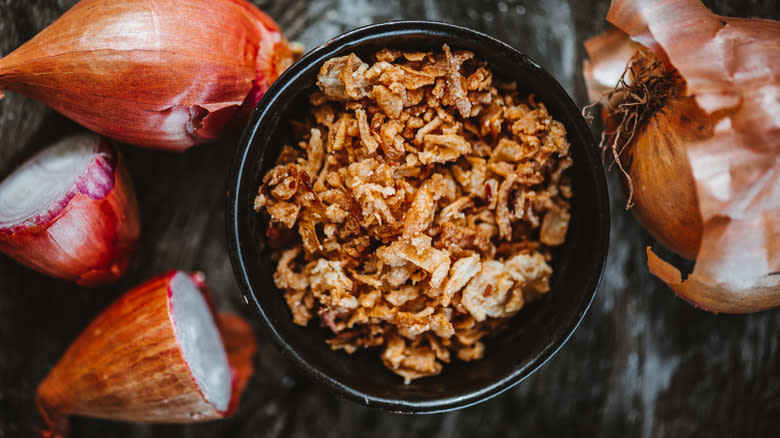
322 52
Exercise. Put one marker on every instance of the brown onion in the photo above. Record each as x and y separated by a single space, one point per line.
671 215
649 123
693 126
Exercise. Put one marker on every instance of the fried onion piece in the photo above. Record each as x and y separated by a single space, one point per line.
423 208
461 272
343 78
409 362
431 260
554 226
443 148
490 294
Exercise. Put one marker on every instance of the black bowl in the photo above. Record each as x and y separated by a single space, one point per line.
534 335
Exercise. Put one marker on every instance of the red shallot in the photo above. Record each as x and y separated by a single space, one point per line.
156 355
159 73
70 211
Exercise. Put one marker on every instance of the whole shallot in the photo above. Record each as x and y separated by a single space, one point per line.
165 74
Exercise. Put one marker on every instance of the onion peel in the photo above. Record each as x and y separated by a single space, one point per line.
702 294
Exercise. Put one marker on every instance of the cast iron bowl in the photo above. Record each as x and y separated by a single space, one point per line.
535 333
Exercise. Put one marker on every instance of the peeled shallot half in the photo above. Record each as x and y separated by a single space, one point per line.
156 355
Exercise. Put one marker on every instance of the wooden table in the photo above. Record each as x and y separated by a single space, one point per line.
643 362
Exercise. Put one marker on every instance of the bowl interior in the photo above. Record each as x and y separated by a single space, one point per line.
535 333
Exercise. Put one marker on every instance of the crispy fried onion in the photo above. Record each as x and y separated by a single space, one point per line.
422 202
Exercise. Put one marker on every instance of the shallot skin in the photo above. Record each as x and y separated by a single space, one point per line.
165 74
93 236
127 365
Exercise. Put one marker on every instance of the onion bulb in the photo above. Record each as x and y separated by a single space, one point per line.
70 211
694 126
159 73
156 355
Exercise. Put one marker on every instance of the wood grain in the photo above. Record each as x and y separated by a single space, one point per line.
643 363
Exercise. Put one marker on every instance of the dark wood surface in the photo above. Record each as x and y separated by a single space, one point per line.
642 364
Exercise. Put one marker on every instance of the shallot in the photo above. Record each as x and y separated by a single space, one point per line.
70 211
159 73
156 355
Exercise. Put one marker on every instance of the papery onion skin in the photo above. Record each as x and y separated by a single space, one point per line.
163 74
92 233
723 298
610 51
127 365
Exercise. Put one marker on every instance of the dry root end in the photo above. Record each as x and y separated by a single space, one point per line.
642 89
56 425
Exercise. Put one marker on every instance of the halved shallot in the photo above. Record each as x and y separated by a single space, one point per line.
156 355
70 211
160 73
